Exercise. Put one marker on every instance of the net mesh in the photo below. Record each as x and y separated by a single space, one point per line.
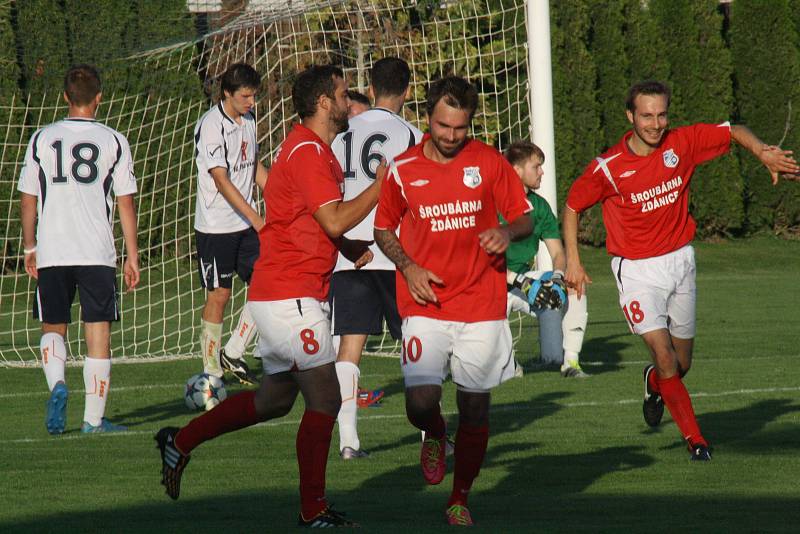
160 93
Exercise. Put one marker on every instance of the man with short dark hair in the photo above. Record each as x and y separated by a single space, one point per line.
226 221
359 103
71 168
444 194
305 220
362 298
643 185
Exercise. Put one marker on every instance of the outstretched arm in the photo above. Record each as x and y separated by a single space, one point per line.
775 159
575 274
418 278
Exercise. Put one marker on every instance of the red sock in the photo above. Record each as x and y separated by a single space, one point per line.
313 444
652 381
680 407
471 442
233 413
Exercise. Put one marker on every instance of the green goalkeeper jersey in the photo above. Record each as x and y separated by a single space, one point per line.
520 253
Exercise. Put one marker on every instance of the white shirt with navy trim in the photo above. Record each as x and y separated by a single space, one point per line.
222 142
72 166
374 135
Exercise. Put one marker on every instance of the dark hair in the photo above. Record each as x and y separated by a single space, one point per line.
456 92
82 84
390 76
521 151
315 81
237 76
355 96
650 87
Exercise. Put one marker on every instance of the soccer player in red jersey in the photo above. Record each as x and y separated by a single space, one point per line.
305 219
445 194
643 185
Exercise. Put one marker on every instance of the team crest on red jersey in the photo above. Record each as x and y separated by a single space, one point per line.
671 159
472 177
244 150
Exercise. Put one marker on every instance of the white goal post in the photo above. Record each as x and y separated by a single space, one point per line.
486 41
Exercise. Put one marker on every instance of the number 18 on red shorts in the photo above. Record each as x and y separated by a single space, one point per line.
479 354
659 292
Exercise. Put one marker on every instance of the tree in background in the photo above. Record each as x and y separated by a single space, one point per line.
767 87
42 34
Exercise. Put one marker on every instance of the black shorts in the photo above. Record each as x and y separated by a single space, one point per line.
219 256
361 300
55 291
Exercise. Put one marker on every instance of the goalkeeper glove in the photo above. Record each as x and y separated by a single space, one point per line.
548 292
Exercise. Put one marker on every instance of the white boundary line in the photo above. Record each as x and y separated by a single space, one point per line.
508 408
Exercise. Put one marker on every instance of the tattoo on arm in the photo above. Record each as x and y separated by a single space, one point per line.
387 241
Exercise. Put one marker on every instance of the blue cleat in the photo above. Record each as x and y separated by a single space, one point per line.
56 418
104 426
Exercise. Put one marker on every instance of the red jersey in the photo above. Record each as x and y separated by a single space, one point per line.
296 255
441 208
646 198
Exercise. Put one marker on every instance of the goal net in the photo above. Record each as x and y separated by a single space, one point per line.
157 96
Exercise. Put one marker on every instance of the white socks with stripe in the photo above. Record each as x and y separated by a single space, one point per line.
348 374
54 358
210 338
97 380
574 327
242 336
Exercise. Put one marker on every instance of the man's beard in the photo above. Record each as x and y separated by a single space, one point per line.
342 123
448 152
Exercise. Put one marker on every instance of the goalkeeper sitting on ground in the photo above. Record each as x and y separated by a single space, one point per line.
561 315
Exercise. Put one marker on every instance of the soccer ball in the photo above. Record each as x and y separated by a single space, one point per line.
204 391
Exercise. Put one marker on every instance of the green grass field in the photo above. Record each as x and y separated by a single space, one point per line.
563 455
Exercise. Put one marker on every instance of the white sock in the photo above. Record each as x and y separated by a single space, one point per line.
97 380
54 358
210 338
242 336
574 327
348 374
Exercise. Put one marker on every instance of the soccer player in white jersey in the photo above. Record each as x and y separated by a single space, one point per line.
71 168
643 185
444 194
362 299
226 221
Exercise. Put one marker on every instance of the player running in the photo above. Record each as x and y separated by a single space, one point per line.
562 325
71 168
362 299
643 185
444 195
226 221
305 220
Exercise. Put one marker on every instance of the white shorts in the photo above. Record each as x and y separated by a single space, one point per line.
480 354
294 334
658 292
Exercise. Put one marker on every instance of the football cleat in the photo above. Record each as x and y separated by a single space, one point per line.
369 399
700 453
653 405
238 368
458 515
173 461
56 418
349 453
104 426
432 459
573 370
327 518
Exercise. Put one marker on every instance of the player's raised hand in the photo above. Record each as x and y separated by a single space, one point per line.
419 283
576 278
130 272
779 162
30 265
494 240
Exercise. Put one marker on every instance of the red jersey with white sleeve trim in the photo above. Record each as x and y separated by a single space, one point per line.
441 208
646 198
296 255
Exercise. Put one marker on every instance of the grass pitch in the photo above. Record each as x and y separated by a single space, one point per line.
564 455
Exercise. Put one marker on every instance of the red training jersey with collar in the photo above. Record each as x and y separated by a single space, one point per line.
296 255
441 209
646 198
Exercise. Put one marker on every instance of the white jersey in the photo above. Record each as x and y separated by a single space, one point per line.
222 142
72 166
374 135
